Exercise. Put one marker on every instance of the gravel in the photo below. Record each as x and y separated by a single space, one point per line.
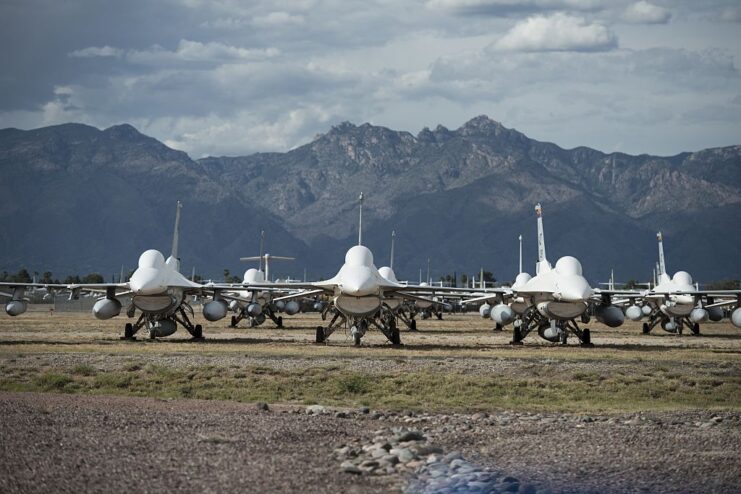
69 443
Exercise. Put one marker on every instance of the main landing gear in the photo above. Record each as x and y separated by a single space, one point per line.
161 326
384 321
257 320
673 325
554 331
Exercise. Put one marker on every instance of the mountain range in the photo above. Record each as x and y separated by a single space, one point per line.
76 199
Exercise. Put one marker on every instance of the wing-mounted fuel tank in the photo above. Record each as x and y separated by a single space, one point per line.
215 310
106 308
16 306
502 314
610 315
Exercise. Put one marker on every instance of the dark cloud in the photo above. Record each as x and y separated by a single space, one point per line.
231 77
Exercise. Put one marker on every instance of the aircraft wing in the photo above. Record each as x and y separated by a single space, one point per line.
305 293
489 295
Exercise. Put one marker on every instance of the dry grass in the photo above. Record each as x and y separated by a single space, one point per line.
454 364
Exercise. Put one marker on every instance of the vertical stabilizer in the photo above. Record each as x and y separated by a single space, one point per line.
176 238
662 264
393 237
360 220
543 264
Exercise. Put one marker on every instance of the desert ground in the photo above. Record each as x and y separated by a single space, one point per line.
454 409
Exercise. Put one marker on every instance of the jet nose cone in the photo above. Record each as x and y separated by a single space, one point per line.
573 290
146 281
359 286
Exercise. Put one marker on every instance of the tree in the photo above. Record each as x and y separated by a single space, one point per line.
72 280
21 277
724 285
489 277
46 277
93 278
631 284
228 278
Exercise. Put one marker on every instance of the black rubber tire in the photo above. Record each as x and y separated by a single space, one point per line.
516 336
439 316
395 337
198 331
646 328
234 322
319 334
586 337
498 327
413 325
128 331
356 339
280 322
695 328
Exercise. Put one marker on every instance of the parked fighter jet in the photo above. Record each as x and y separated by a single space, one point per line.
552 300
675 302
255 304
359 294
156 289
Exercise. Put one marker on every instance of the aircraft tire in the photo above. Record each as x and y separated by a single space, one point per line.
395 336
319 334
646 328
498 327
280 321
695 329
198 332
413 325
234 322
129 331
356 339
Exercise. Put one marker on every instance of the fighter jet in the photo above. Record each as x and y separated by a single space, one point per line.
156 289
255 304
675 302
359 295
552 300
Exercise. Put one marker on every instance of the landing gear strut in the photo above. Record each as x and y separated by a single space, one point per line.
323 333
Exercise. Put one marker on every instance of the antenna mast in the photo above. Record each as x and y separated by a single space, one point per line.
520 238
393 236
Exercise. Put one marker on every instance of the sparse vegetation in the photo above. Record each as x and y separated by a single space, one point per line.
452 365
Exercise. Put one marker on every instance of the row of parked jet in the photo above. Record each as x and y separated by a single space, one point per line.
360 296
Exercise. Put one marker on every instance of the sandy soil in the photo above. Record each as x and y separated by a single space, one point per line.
67 443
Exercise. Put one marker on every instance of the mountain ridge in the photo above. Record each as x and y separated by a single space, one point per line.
604 208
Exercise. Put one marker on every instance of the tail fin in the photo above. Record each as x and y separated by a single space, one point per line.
543 264
662 264
176 239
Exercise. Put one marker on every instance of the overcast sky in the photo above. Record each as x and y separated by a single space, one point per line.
228 77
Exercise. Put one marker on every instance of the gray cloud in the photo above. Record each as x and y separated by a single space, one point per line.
231 77
557 32
643 12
